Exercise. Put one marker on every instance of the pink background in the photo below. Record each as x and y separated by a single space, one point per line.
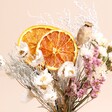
14 19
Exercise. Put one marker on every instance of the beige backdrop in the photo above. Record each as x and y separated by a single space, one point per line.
14 18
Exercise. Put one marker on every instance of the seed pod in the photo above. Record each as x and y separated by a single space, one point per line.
84 34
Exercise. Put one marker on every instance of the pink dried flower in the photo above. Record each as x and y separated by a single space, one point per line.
88 66
72 87
91 62
81 93
96 52
96 62
96 85
71 90
94 94
86 84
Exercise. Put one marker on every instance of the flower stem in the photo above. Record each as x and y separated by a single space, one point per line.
81 102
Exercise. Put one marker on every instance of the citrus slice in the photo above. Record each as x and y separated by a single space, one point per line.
57 47
32 36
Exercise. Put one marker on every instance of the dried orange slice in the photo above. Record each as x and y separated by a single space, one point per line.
57 47
33 35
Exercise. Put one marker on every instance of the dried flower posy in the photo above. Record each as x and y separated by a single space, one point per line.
72 85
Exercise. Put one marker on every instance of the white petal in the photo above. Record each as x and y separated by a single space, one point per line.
67 70
44 78
100 39
39 54
50 94
86 51
45 71
100 71
38 60
22 49
37 80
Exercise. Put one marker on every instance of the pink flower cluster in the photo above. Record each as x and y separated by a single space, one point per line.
96 85
89 84
90 63
77 88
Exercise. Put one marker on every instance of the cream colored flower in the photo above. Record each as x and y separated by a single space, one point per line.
23 49
50 95
103 51
67 70
100 39
85 51
101 71
38 60
44 79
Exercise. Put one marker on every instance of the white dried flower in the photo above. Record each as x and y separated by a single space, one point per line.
103 51
85 51
67 70
43 79
2 62
50 95
38 60
101 71
23 49
100 39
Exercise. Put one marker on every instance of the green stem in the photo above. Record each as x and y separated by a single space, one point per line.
81 102
69 107
83 105
81 73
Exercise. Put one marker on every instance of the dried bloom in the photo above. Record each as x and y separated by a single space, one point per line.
100 39
86 84
96 85
50 95
86 51
94 94
23 49
88 66
72 87
43 79
96 52
38 60
2 62
81 93
67 70
96 61
100 71
90 63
